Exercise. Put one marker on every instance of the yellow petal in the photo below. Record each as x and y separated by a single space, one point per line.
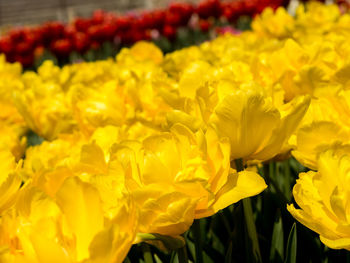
238 186
81 205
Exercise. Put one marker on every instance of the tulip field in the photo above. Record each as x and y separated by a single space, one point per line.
235 148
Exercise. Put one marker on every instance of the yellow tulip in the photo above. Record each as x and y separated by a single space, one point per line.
195 173
175 62
326 124
323 198
99 107
44 106
255 127
12 139
66 228
141 51
270 23
10 180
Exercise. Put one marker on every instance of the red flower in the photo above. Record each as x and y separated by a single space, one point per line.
95 32
169 32
204 25
61 47
98 17
6 45
81 42
208 8
172 18
122 23
108 31
158 18
24 47
184 10
52 31
82 24
25 60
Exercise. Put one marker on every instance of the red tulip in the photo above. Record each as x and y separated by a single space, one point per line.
82 24
204 25
158 18
172 18
81 42
108 31
208 8
6 45
169 32
98 17
61 47
95 32
24 47
25 60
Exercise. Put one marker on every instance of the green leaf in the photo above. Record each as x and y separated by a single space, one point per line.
173 255
147 255
163 43
291 256
228 257
33 139
277 244
157 259
191 247
212 255
244 23
253 242
197 234
182 255
75 57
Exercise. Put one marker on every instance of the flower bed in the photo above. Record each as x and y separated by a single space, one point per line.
188 156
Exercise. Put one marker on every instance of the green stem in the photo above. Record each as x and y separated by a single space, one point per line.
172 259
182 254
198 241
249 219
147 255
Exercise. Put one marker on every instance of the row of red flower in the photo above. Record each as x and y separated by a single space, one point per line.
21 44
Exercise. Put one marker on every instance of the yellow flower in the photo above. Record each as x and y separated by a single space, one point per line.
324 200
195 173
175 62
325 124
163 209
142 51
12 139
99 107
193 77
12 125
276 24
62 152
316 18
44 106
10 181
255 127
67 228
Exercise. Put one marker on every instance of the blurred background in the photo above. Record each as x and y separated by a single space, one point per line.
19 12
